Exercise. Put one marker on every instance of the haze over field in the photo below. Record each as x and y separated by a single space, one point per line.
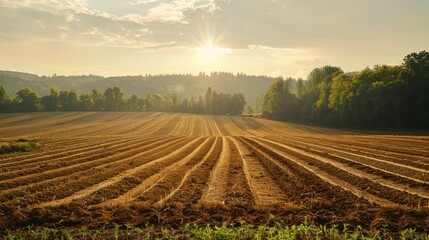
264 37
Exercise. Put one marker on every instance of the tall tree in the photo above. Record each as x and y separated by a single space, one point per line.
98 100
119 101
27 100
85 102
300 87
209 101
418 63
133 103
4 100
237 104
154 102
51 101
278 102
69 100
113 99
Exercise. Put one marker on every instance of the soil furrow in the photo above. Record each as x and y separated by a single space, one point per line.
160 184
65 159
264 189
63 187
217 185
191 188
329 178
125 181
134 148
359 180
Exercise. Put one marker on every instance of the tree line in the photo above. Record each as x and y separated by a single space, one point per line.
112 99
380 97
184 85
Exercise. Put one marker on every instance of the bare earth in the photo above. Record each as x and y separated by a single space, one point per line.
173 169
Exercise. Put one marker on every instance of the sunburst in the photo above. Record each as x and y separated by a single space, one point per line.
210 52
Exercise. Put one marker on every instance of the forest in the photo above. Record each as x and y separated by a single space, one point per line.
27 100
183 85
384 96
380 97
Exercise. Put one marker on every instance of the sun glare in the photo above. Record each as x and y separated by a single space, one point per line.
209 52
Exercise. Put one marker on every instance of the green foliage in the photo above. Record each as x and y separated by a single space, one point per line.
215 103
51 101
68 100
237 231
279 102
133 104
98 100
379 97
19 145
184 85
113 100
86 102
26 100
4 100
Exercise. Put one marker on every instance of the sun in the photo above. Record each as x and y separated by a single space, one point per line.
208 52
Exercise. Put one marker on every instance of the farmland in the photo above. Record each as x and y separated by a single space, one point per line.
167 168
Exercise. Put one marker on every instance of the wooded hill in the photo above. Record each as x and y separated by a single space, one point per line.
184 86
380 97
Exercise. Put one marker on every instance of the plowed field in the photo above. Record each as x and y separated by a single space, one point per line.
177 168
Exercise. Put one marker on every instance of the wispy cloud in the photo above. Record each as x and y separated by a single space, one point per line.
140 2
266 36
172 11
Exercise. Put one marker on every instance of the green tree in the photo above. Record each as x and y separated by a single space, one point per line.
26 100
69 100
172 102
209 101
109 100
85 102
185 106
4 100
278 102
51 101
133 103
98 100
341 96
154 102
119 95
237 104
418 83
300 87
141 105
113 99
321 79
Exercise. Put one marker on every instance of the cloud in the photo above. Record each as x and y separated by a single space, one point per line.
172 11
268 48
39 26
288 34
143 2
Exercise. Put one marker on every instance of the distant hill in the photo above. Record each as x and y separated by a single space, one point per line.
184 85
26 76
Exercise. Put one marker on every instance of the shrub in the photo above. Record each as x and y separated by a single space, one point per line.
19 145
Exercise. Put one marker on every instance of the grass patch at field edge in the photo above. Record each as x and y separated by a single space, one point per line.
225 231
19 145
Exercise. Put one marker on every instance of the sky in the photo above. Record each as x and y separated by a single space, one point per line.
258 37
